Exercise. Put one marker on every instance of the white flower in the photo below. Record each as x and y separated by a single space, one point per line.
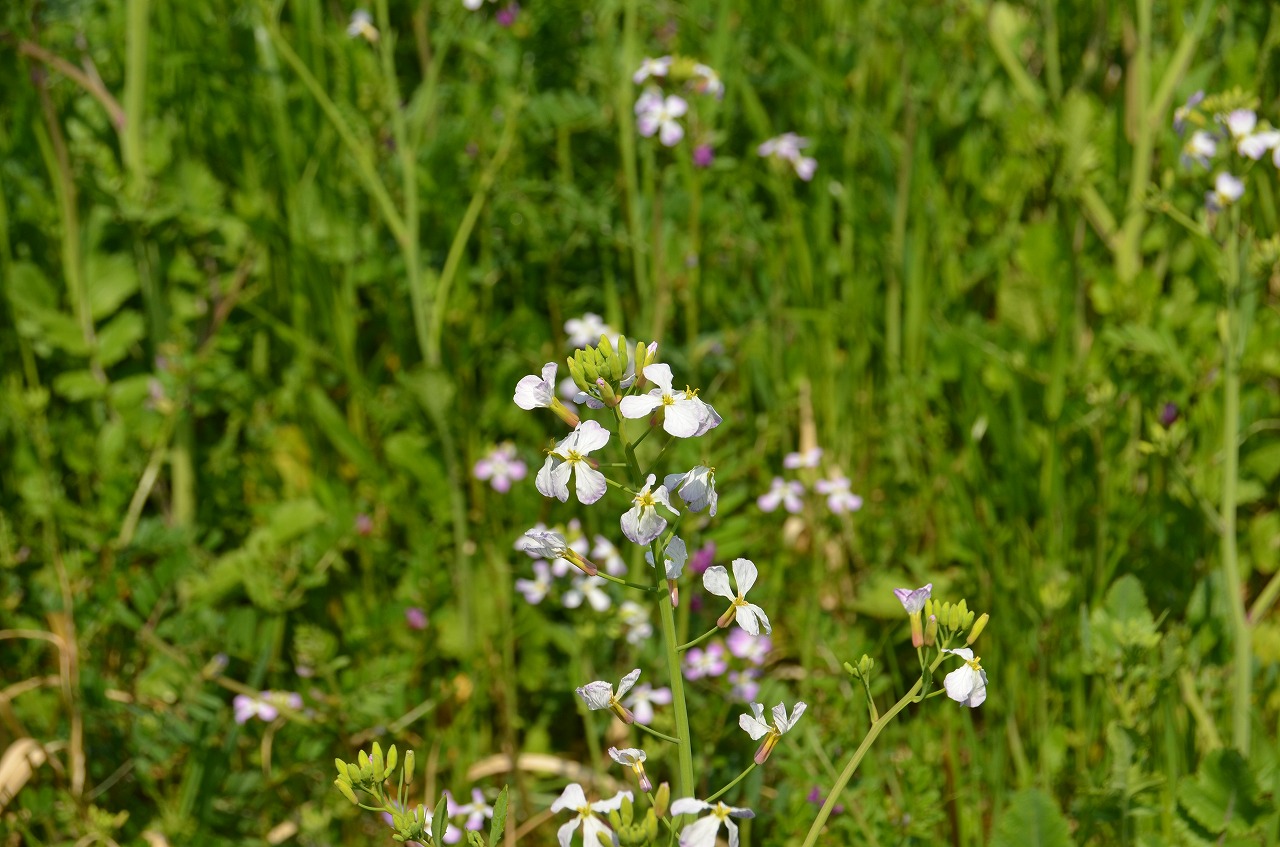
652 68
656 114
787 147
966 684
476 811
1227 189
1240 122
696 487
642 523
757 727
709 82
807 459
1257 144
683 413
633 758
636 620
1200 148
644 698
535 590
600 695
587 330
673 558
606 553
750 616
571 455
361 26
703 831
782 493
535 393
549 544
839 498
589 588
593 828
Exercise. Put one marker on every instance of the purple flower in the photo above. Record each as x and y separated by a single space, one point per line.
265 705
817 796
507 15
642 700
415 618
703 156
364 525
754 648
786 148
782 493
744 685
913 599
839 498
501 467
807 459
1168 414
704 558
699 663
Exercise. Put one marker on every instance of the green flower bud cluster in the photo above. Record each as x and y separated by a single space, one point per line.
414 825
599 371
637 833
953 618
863 669
369 771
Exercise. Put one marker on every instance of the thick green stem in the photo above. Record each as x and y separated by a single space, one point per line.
847 774
1242 674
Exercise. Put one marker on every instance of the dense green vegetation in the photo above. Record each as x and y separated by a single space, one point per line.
266 289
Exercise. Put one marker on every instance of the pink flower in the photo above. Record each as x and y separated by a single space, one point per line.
745 688
415 617
807 459
703 156
704 558
754 648
699 663
782 493
839 498
507 15
501 467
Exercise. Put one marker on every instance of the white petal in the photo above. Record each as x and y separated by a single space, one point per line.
660 375
613 803
534 393
796 711
710 419
978 695
565 833
596 695
682 419
591 436
688 806
959 683
964 653
676 106
545 482
590 483
649 526
733 832
639 405
716 580
627 682
754 727
571 798
670 133
631 525
744 571
661 496
751 618
592 829
700 833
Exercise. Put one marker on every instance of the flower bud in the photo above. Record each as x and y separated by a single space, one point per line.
931 630
606 393
661 800
978 628
621 357
408 767
347 791
605 348
379 766
366 766
590 369
575 371
392 758
865 665
342 769
651 826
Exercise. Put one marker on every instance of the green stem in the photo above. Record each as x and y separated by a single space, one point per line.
648 589
1242 674
847 774
657 734
701 638
732 783
135 89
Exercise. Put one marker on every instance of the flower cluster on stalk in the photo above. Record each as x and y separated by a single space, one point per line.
1226 137
662 107
835 488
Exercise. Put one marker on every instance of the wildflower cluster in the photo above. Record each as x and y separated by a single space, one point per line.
789 493
786 148
1226 134
741 663
659 108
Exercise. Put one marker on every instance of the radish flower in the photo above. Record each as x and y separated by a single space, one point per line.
600 695
683 413
696 487
642 523
966 684
749 616
703 831
570 455
593 828
757 727
633 758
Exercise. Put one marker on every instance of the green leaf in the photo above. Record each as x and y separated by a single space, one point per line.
110 279
1032 820
440 821
1222 796
334 426
78 385
499 823
121 333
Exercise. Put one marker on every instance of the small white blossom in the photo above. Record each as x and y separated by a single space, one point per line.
757 727
571 455
840 498
642 523
594 832
696 487
658 115
1227 189
587 331
606 553
600 695
782 493
636 620
703 831
966 684
589 588
673 558
1256 145
633 758
361 26
652 68
535 590
802 459
1240 122
644 698
549 544
1200 148
787 147
682 414
749 616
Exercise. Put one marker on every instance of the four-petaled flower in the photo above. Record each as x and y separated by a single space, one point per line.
743 685
501 467
782 493
633 758
913 602
966 684
589 588
696 487
587 330
1200 148
684 415
754 649
642 523
600 695
703 831
756 726
593 828
658 114
570 455
787 147
699 663
549 544
652 68
535 590
476 811
1227 189
644 698
749 616
839 498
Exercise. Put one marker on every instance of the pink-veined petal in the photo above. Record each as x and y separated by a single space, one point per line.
590 483
533 393
744 571
716 580
591 436
545 481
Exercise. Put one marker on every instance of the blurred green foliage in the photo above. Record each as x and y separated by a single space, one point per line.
267 289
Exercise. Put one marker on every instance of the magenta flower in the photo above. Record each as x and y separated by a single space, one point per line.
507 15
699 663
703 156
501 467
415 617
704 558
782 493
754 648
